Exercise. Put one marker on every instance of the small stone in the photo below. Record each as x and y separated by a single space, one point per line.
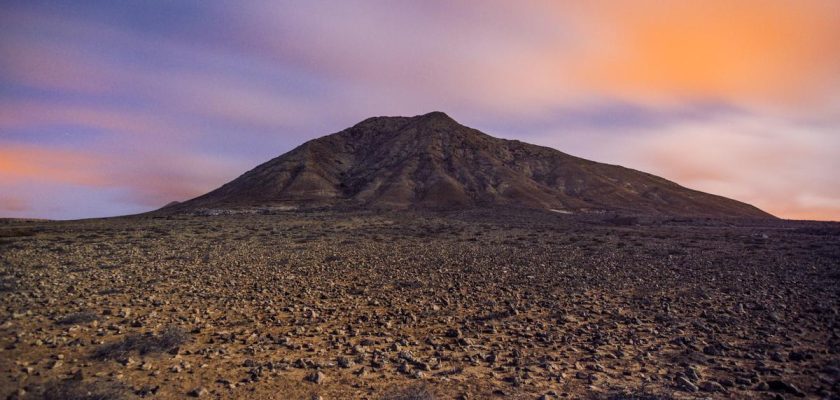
712 387
317 377
713 351
145 391
784 387
686 384
692 374
345 362
454 333
199 392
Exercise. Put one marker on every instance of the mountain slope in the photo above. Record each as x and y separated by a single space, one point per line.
432 162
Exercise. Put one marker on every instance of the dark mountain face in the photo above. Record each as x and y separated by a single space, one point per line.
432 162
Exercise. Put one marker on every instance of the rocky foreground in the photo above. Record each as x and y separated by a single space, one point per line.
467 305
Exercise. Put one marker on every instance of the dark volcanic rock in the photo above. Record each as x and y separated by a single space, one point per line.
432 162
784 387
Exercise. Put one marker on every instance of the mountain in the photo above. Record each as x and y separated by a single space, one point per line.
432 162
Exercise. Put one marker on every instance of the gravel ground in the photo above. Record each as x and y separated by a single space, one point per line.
482 304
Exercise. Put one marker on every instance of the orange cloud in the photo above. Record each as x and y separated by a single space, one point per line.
732 49
13 204
146 178
25 163
524 59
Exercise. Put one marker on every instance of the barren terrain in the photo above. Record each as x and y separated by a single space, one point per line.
478 304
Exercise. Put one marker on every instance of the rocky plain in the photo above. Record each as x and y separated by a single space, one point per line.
477 304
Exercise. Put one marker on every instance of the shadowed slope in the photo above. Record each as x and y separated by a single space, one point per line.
432 162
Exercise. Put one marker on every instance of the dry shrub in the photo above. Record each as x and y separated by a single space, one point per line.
169 339
77 318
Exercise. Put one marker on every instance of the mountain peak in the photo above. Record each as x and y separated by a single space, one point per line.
430 161
434 116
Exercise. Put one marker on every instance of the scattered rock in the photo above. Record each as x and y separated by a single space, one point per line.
670 306
317 377
686 384
711 386
454 333
784 387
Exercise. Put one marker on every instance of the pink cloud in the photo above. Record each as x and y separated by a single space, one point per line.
116 121
13 204
781 167
145 178
165 177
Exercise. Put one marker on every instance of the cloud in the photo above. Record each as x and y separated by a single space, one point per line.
163 178
142 178
757 51
509 58
117 121
13 204
24 163
781 167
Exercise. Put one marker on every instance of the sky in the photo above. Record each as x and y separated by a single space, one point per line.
119 107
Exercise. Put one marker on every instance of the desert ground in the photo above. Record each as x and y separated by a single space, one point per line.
456 305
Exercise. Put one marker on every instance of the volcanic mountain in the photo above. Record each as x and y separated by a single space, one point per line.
432 162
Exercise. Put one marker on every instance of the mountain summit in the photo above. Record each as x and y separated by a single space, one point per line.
431 161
